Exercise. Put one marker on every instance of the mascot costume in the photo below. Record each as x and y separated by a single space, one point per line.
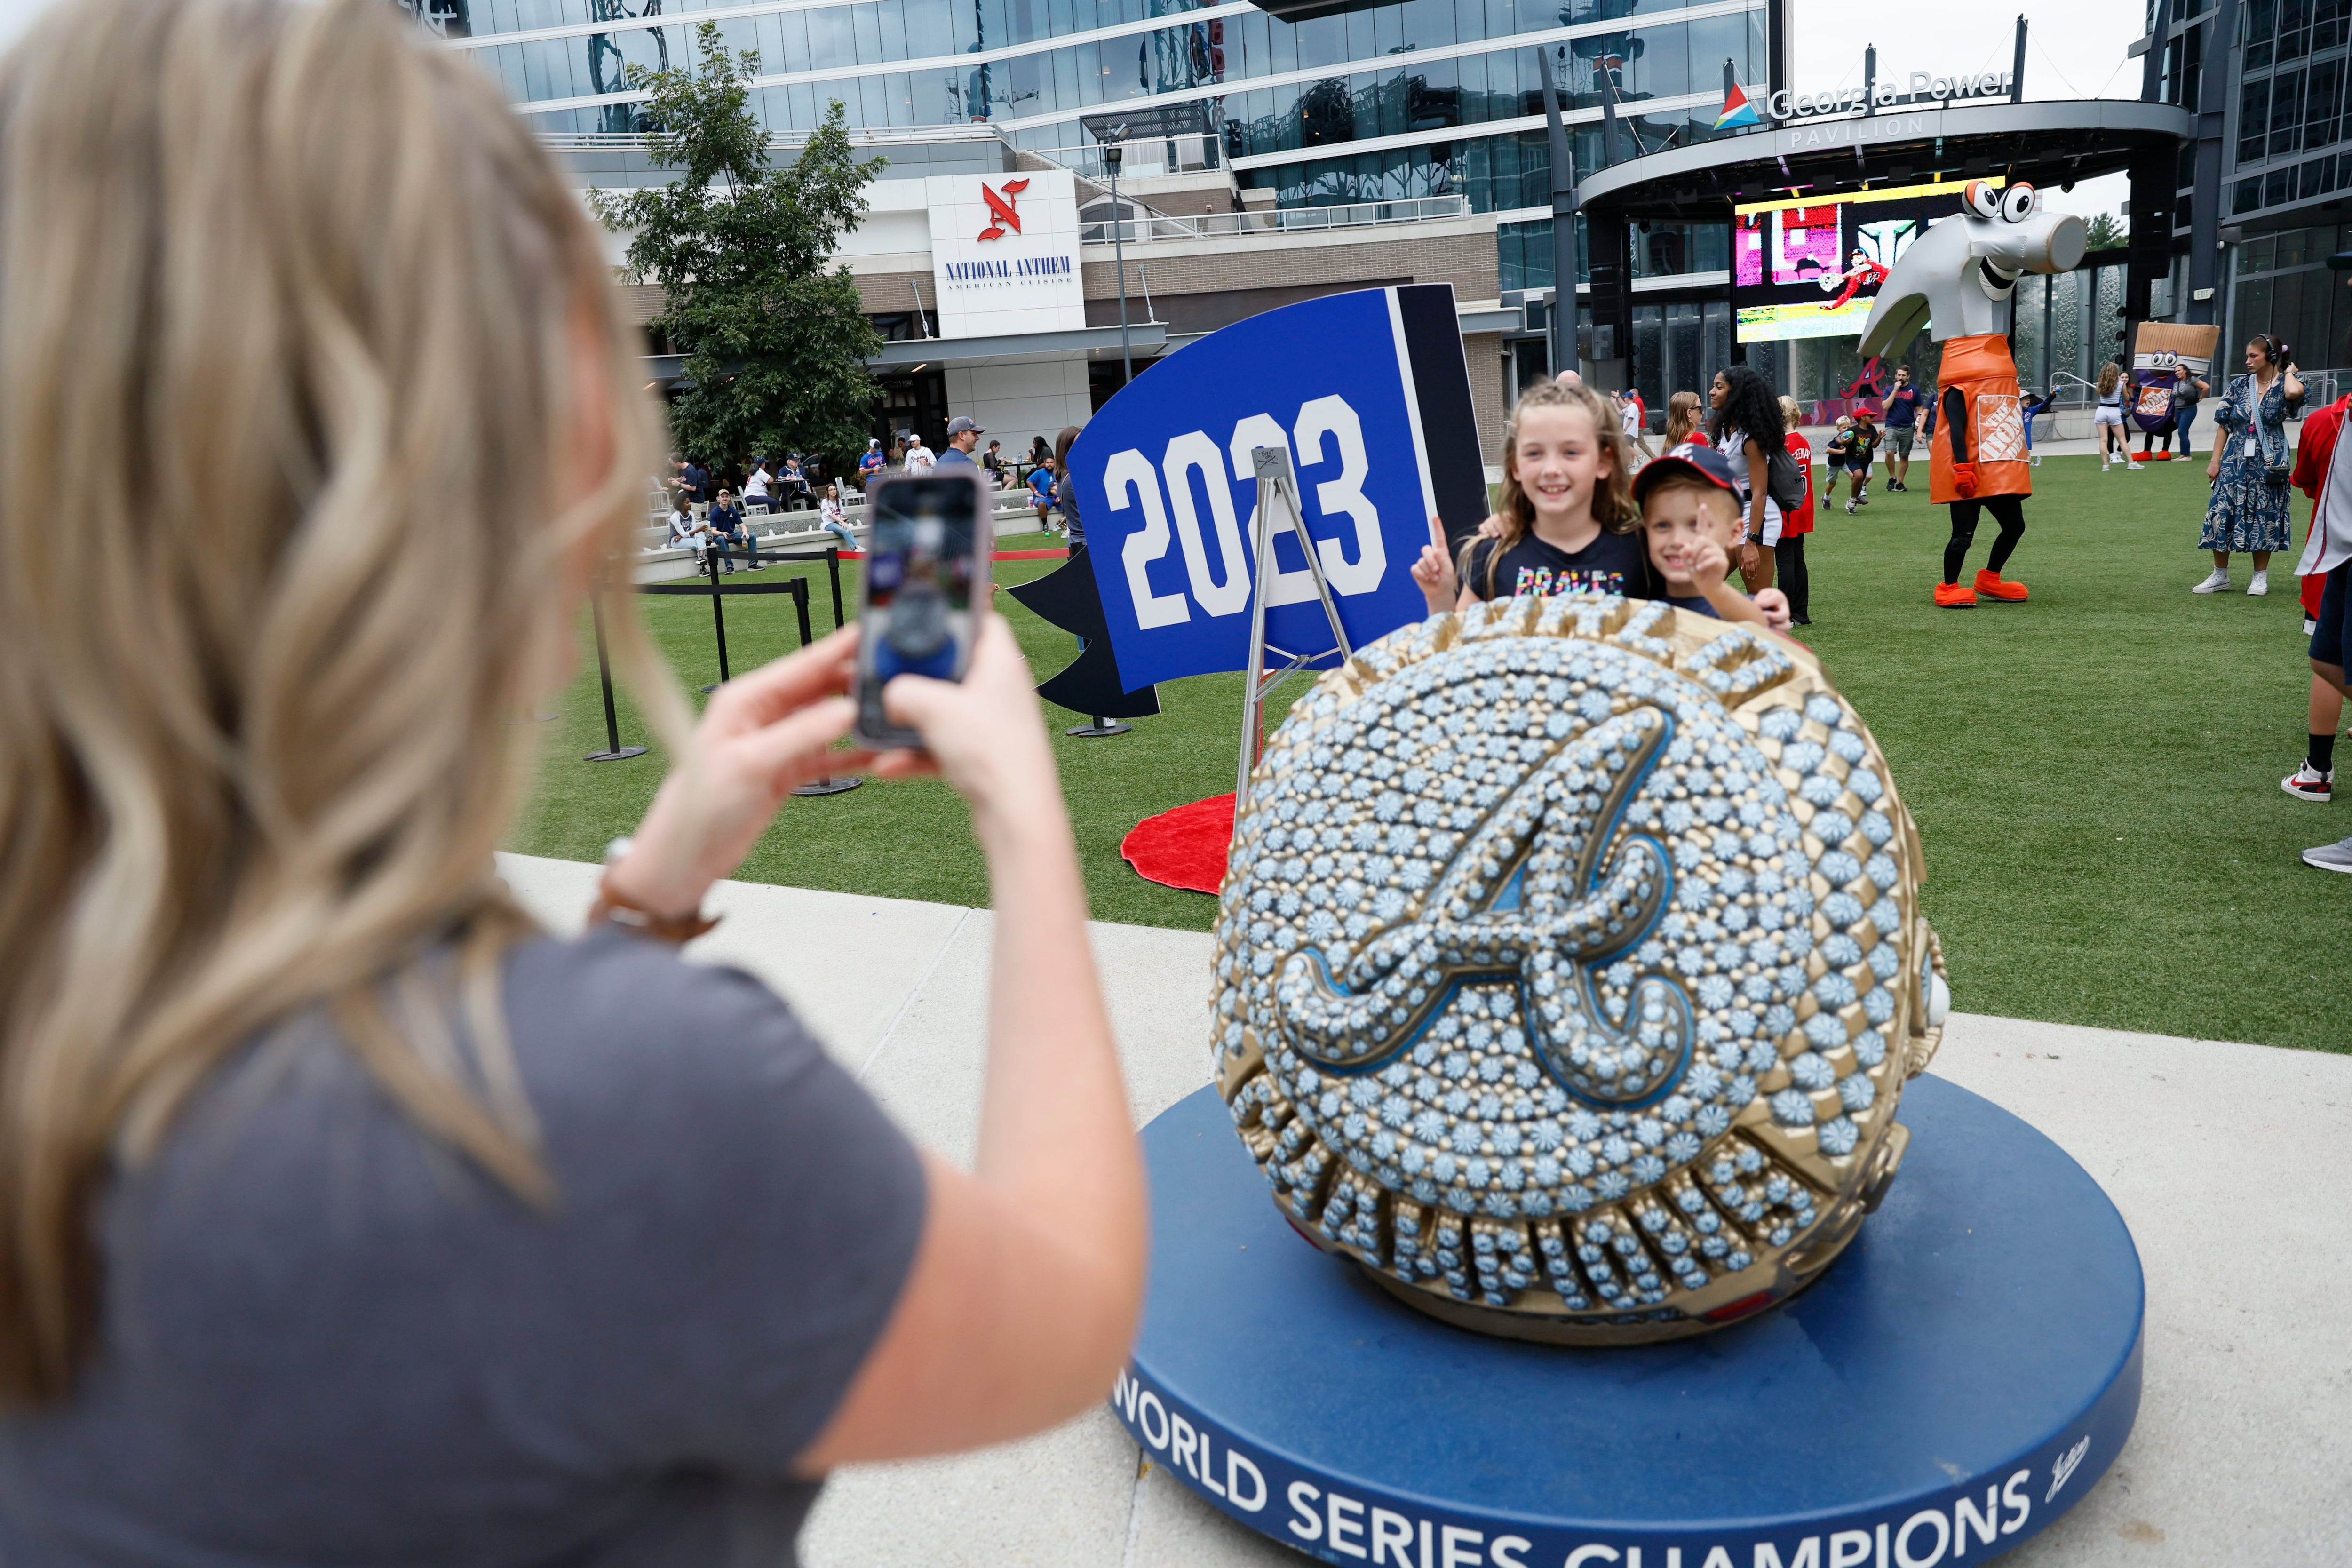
1957 279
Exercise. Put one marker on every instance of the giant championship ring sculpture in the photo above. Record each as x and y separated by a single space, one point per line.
1570 969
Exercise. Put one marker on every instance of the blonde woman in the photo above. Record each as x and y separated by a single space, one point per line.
348 1218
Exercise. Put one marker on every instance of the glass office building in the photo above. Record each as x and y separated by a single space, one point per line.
1381 102
2286 189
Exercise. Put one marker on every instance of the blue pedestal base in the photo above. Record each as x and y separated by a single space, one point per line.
1957 1380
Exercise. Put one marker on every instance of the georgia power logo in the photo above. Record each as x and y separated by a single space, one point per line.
1001 215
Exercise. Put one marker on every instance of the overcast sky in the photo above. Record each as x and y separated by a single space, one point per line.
2074 49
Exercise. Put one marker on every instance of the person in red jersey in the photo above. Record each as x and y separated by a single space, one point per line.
1788 553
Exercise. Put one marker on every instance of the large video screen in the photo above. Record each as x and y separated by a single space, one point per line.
1810 267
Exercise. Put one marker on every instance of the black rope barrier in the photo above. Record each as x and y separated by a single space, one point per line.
718 593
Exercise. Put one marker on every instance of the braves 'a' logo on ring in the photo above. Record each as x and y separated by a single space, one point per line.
1001 215
1541 893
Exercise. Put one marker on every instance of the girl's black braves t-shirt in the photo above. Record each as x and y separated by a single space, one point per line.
1611 564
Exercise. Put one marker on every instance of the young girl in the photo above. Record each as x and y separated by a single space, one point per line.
1747 431
1682 419
1567 522
2114 446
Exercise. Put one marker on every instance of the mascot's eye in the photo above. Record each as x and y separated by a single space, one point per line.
1981 199
2016 202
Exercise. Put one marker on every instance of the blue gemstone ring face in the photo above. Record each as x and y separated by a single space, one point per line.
1539 911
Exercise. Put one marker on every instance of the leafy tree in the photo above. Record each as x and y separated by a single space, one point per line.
774 343
2104 232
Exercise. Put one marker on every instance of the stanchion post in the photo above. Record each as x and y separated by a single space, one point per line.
838 784
614 750
718 614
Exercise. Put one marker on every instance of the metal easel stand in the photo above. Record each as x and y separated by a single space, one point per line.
1278 491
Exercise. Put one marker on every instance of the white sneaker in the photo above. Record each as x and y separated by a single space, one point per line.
2259 585
2214 585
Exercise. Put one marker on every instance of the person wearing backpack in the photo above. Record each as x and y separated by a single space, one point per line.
1749 431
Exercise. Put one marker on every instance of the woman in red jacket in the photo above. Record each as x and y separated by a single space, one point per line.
1789 554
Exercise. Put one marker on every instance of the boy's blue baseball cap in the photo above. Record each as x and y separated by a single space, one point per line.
1691 458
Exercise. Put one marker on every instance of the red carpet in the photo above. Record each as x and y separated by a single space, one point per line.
1185 848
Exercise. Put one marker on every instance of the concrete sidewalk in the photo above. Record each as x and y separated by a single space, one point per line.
2232 1163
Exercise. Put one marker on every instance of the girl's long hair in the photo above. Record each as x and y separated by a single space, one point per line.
2109 374
325 340
1062 445
1682 417
1751 408
1612 499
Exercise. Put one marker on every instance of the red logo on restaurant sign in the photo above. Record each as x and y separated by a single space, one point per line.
1000 207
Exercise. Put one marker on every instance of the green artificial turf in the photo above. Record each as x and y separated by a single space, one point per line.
2095 773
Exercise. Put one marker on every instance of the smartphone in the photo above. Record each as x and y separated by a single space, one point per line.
925 555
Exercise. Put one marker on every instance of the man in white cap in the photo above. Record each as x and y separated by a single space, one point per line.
963 436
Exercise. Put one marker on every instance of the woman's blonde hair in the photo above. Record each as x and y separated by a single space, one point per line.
1613 498
320 332
1682 417
2109 374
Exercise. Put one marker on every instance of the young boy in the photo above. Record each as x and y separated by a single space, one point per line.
1862 439
1834 450
1690 515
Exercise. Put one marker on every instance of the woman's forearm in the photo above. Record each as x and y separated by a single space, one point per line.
1056 1130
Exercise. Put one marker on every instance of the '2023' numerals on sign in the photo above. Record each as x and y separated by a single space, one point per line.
1220 583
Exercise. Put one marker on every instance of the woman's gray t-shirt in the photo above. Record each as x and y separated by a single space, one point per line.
326 1339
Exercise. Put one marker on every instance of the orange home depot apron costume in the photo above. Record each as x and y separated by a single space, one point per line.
1978 448
1957 279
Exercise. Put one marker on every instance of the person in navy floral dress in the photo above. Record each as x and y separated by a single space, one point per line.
2248 512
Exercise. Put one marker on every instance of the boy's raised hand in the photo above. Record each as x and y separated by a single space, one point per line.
1709 562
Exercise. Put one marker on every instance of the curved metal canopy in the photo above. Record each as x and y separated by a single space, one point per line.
2045 143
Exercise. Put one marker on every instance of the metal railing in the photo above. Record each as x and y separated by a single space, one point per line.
1145 226
1189 152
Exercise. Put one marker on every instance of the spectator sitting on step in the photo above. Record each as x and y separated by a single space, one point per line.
1041 492
726 522
685 529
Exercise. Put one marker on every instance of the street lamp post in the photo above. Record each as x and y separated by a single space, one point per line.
1112 152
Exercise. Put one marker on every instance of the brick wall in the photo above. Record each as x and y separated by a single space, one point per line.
890 293
1484 351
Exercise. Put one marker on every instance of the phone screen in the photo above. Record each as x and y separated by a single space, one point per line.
919 586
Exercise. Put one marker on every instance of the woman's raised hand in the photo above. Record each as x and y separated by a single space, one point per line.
985 735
